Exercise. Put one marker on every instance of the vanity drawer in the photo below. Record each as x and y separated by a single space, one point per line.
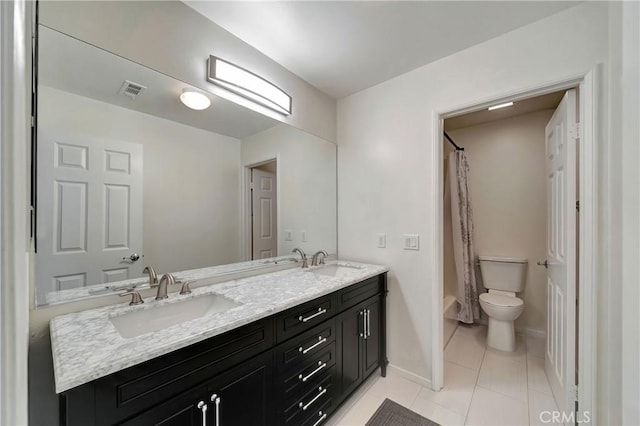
299 349
299 409
299 380
357 293
137 388
320 415
301 318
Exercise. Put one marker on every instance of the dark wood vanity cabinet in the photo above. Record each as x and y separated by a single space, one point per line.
293 368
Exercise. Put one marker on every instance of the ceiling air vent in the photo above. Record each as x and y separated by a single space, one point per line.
131 89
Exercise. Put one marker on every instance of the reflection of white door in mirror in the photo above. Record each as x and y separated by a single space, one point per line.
89 211
264 212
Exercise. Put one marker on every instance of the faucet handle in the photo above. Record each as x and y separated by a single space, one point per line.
135 297
185 286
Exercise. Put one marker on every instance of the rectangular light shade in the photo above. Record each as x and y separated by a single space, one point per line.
248 85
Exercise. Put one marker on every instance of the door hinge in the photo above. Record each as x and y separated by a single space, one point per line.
578 206
574 131
573 393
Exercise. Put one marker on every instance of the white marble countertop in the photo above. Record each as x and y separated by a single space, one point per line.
87 346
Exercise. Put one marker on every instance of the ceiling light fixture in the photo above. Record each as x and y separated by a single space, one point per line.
195 100
248 85
508 104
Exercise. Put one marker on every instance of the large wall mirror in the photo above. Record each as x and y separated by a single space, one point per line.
128 176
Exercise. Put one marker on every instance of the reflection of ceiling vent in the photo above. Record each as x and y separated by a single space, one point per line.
131 89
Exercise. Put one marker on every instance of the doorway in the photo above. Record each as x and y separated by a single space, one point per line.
263 211
504 150
585 319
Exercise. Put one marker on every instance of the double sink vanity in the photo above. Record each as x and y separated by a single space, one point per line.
285 347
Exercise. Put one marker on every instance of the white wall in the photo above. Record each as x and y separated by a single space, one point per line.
190 179
508 196
306 185
387 153
174 39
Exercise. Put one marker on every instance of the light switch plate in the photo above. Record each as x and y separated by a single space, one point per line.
304 236
288 235
382 240
411 241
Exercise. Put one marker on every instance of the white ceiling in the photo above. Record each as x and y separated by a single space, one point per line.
342 47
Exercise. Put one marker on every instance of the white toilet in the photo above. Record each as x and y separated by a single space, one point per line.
503 277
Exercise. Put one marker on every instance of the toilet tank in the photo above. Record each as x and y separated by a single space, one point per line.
503 273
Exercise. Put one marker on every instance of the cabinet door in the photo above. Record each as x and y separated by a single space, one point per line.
350 329
242 395
182 410
371 353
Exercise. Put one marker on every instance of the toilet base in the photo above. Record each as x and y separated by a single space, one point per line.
501 335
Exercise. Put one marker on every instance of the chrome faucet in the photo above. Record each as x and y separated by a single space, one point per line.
305 264
314 259
166 280
153 278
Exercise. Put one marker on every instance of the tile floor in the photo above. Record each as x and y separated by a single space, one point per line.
482 386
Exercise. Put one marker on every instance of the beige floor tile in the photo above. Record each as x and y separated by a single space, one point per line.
465 351
535 345
541 407
396 388
456 394
505 376
491 408
362 410
436 413
537 378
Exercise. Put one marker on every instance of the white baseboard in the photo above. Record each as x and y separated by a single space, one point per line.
541 334
410 376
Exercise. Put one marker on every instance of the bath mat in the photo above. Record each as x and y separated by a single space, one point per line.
393 414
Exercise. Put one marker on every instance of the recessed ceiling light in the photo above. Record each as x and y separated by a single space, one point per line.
195 100
508 104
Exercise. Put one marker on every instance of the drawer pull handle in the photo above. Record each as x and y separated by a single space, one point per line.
305 319
216 399
308 376
305 406
203 407
323 416
320 341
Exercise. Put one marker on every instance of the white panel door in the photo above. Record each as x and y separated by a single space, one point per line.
89 210
264 214
560 356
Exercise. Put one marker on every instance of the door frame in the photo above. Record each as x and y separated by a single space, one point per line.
588 262
246 232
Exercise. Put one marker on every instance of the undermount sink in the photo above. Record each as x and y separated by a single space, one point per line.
335 270
143 321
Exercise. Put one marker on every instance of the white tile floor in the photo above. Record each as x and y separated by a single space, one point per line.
482 386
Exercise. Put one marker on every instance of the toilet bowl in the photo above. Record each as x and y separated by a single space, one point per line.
502 311
503 277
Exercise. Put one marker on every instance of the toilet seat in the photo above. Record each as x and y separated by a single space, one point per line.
500 300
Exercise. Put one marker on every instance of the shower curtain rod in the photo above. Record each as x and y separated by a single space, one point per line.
458 148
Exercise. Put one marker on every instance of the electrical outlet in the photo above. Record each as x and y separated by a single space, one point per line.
382 240
304 236
288 235
411 241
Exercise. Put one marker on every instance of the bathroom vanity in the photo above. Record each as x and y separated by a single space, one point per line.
291 348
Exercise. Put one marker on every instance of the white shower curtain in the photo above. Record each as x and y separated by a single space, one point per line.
462 229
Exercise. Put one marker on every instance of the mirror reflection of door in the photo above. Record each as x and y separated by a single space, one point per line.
89 226
264 211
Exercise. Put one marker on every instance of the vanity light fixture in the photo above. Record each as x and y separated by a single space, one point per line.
195 100
507 104
247 84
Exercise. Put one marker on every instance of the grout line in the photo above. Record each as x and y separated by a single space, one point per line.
484 352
